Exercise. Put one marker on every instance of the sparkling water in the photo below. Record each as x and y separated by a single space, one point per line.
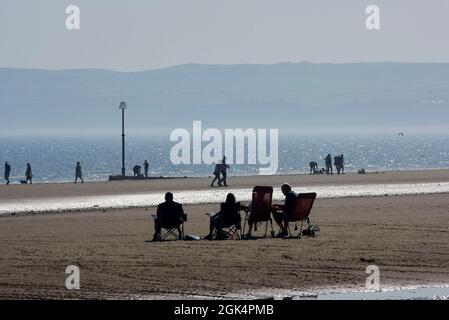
53 159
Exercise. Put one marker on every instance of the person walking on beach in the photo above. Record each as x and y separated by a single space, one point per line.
78 173
342 164
217 170
328 162
7 172
146 165
337 164
223 169
29 174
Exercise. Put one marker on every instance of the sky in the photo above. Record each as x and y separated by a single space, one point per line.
137 35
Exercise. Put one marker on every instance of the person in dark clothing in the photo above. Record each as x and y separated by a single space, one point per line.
29 174
313 167
170 214
136 171
342 164
7 172
337 164
228 215
217 171
328 162
146 165
281 212
223 169
78 173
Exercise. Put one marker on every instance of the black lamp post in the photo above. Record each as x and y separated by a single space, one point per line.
123 107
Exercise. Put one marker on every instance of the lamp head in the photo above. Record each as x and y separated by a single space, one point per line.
123 105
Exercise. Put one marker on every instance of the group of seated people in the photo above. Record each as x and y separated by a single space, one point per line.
172 215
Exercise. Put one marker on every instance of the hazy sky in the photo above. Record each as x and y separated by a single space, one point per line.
144 34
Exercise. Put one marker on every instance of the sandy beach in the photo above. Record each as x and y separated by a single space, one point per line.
407 237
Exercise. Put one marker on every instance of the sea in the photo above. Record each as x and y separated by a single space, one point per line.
53 158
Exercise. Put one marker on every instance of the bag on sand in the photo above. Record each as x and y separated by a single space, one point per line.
191 237
311 231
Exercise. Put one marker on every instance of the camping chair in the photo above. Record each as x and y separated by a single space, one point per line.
260 210
170 227
229 231
301 211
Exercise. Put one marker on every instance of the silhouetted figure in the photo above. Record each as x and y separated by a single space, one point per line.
342 164
78 173
228 215
337 164
146 165
281 214
169 214
217 170
328 162
223 169
136 171
313 167
29 174
7 172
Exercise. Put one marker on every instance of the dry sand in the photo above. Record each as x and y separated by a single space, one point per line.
407 237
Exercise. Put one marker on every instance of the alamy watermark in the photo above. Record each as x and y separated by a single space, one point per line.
372 21
373 280
72 282
72 21
261 147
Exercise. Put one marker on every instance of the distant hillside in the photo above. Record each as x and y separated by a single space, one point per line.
300 94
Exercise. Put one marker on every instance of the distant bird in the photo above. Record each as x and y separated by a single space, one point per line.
400 134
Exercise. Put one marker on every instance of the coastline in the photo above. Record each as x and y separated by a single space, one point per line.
100 188
117 195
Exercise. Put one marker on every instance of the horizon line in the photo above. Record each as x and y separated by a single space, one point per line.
215 65
411 130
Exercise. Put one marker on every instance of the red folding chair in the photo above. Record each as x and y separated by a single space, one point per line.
260 208
301 211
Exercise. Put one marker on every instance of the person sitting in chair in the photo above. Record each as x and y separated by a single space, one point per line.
170 214
281 212
228 215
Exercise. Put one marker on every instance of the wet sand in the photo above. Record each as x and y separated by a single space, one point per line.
407 237
38 191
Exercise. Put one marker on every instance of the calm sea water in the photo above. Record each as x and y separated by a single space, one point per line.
53 159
